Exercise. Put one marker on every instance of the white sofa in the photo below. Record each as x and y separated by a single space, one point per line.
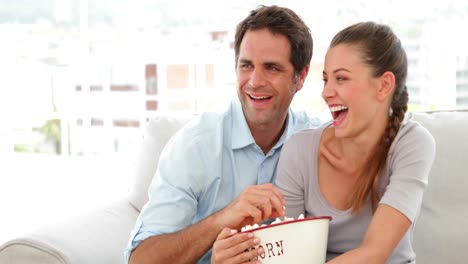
441 235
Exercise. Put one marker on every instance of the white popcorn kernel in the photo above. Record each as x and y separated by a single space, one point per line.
276 221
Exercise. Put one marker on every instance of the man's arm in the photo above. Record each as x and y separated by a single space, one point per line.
190 244
185 246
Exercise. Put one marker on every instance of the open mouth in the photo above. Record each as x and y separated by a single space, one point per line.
259 98
339 112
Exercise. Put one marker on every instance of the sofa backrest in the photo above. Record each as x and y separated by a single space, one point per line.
441 234
442 229
158 131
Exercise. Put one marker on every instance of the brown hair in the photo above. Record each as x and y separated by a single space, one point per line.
382 50
279 20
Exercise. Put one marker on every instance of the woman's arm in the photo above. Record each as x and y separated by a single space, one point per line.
410 166
387 228
289 176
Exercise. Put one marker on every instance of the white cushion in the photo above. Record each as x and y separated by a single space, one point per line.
97 237
27 251
158 132
441 234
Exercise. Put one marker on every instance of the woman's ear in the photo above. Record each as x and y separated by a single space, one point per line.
387 85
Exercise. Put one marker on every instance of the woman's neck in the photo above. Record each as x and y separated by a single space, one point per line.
351 154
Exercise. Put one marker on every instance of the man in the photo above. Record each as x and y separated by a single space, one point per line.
217 171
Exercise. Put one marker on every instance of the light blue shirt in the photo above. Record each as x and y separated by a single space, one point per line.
204 167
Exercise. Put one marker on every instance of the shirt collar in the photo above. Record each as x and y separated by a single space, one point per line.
241 134
288 131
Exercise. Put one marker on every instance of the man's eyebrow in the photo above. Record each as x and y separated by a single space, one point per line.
244 61
272 63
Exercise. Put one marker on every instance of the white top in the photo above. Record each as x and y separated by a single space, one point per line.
401 186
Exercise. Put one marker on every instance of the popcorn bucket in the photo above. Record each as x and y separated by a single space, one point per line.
294 241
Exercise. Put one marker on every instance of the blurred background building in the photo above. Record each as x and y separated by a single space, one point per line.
80 79
84 76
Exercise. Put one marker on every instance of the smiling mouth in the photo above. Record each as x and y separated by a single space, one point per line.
337 111
259 98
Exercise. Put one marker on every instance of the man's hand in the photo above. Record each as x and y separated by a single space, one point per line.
254 204
232 248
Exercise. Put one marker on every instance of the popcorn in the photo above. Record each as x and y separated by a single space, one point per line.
276 221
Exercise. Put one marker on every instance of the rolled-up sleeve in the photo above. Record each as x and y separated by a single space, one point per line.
173 193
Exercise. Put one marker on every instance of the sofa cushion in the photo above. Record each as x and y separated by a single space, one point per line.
30 251
442 227
97 237
158 131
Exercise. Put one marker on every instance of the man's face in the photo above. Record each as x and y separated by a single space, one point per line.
265 75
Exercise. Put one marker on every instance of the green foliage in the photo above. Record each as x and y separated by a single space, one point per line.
52 133
25 148
51 130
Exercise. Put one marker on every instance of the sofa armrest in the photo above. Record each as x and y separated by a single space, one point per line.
97 237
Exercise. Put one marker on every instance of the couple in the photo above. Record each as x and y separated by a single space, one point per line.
367 168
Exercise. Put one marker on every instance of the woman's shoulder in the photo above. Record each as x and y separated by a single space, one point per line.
308 135
411 130
413 137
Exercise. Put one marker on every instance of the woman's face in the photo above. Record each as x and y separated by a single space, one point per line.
350 91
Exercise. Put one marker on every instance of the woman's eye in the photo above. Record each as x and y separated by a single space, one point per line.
340 78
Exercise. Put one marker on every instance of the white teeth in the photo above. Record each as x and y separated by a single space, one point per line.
260 97
338 108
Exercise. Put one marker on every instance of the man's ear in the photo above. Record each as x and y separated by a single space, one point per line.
387 85
300 78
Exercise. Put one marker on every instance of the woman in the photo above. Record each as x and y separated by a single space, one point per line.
368 168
